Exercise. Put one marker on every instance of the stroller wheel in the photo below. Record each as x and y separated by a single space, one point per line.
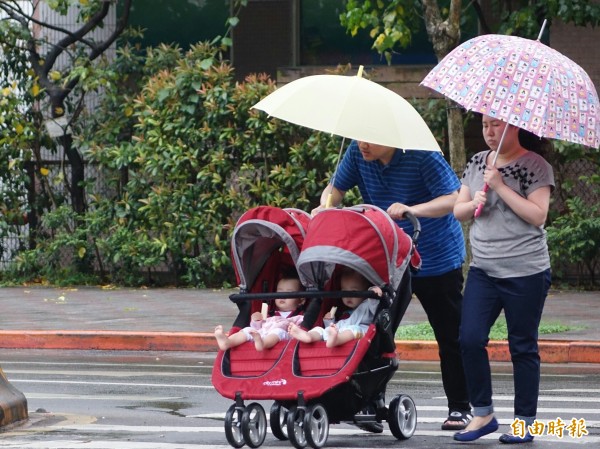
233 423
254 425
316 426
402 417
295 426
278 420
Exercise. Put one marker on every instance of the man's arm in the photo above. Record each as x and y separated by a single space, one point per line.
331 197
437 207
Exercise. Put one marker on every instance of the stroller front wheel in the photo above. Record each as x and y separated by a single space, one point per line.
278 420
233 426
295 426
402 417
316 426
254 425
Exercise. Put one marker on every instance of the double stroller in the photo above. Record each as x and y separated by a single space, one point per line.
313 386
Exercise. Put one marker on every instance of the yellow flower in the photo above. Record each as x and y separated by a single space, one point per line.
54 75
44 171
19 128
35 90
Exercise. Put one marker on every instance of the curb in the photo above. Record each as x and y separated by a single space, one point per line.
551 351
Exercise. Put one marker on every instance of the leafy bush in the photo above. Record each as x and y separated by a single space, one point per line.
574 238
182 156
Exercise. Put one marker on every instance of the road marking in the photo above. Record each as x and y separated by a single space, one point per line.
128 444
125 384
595 400
57 373
104 397
81 365
557 411
112 444
421 419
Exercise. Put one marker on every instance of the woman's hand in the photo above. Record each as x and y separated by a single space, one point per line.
480 197
492 177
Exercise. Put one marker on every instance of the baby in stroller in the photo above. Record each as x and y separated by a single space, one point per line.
267 332
353 323
313 385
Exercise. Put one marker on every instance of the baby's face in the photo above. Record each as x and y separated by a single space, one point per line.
286 286
352 303
287 305
353 284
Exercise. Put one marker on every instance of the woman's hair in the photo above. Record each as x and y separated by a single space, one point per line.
531 142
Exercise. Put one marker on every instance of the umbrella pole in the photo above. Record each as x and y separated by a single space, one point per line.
329 201
542 30
486 187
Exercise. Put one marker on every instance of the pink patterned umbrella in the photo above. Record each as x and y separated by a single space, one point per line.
522 82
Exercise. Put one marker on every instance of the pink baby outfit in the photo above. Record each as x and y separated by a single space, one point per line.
277 324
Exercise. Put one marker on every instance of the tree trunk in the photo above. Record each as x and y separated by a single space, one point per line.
77 174
456 138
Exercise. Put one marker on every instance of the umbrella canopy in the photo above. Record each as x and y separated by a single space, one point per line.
352 107
522 82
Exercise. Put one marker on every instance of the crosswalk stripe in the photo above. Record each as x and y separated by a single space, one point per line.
129 444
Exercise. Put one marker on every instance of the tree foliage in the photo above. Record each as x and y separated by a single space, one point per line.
392 23
182 155
47 75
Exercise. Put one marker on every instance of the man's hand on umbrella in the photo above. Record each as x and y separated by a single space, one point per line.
397 211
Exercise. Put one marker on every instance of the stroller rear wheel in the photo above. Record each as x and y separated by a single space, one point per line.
295 426
402 417
278 420
254 425
233 426
316 426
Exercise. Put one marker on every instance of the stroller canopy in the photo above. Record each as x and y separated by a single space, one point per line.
363 238
264 233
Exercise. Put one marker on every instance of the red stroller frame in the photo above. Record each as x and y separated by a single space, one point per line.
313 385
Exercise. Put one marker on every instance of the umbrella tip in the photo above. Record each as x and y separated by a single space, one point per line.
542 30
360 70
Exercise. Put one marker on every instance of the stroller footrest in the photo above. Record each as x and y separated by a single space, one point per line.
245 360
315 359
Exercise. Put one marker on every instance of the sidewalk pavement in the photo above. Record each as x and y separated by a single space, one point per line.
183 320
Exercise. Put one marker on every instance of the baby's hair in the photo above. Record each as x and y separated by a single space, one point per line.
290 273
348 272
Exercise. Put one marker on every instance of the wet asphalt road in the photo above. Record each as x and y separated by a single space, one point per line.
151 400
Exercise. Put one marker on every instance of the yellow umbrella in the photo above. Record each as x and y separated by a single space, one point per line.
352 107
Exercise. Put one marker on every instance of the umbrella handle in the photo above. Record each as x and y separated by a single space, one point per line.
480 207
329 201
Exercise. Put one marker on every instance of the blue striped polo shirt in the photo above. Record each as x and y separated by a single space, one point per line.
412 177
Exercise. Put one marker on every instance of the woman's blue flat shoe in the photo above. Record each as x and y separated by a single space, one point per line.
472 435
509 438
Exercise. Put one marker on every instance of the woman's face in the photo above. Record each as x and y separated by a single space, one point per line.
492 129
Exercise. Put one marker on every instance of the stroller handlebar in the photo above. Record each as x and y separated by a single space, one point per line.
416 226
241 297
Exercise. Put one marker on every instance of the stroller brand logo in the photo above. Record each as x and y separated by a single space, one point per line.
275 383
